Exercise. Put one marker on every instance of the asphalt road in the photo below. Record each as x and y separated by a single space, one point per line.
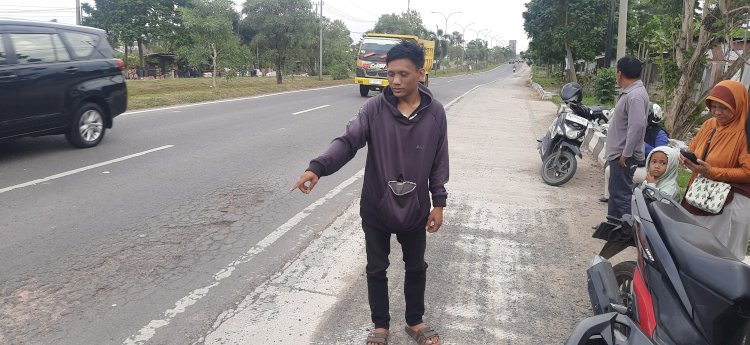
174 218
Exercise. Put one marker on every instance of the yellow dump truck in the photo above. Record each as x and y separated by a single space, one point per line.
371 72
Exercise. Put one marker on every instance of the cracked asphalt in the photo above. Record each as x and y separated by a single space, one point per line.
202 243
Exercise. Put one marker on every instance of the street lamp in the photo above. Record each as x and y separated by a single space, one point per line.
445 33
476 41
477 32
463 37
484 35
446 19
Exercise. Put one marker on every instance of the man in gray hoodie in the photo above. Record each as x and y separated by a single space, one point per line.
405 131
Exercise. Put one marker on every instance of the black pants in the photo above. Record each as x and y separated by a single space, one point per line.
620 187
378 246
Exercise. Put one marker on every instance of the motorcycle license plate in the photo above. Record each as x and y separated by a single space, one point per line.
577 119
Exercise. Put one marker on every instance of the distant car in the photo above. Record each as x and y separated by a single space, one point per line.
58 79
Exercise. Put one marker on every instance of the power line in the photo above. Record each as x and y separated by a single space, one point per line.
344 15
357 6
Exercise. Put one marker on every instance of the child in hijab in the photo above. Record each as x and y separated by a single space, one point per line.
662 166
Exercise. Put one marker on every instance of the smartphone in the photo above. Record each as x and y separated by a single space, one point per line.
690 156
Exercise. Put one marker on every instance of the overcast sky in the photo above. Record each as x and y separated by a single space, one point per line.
500 20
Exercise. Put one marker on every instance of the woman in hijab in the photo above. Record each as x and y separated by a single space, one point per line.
662 166
721 145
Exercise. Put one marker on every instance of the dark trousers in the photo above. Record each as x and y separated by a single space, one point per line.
620 187
378 246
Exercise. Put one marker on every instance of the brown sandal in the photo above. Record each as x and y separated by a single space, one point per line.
377 338
423 335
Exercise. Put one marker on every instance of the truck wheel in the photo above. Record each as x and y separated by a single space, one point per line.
364 90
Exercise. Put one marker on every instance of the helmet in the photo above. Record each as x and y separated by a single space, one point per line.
655 114
571 92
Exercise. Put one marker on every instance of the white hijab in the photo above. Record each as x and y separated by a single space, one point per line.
668 182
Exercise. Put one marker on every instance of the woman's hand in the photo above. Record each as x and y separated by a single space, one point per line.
701 168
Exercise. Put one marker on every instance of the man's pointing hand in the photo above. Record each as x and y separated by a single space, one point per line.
306 182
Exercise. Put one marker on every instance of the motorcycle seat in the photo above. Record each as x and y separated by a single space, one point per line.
700 255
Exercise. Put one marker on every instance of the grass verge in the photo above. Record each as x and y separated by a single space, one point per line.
165 92
454 71
155 93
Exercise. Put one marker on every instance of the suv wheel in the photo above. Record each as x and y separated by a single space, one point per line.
87 129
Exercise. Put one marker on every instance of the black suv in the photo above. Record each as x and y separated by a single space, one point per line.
58 79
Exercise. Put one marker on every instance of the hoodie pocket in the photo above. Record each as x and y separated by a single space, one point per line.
399 212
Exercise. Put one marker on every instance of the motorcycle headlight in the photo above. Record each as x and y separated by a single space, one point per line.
560 130
573 133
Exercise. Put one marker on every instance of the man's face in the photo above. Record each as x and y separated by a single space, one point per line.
404 77
618 76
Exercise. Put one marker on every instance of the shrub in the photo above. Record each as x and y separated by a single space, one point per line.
339 72
605 85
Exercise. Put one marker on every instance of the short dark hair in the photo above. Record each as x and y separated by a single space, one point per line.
630 67
406 50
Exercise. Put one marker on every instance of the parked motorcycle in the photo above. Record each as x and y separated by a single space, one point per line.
562 142
686 287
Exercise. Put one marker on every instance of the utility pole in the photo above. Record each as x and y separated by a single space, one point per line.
320 68
78 12
622 29
610 34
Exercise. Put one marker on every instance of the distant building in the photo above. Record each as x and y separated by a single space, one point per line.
512 46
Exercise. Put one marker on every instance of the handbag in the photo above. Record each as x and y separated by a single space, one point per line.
706 194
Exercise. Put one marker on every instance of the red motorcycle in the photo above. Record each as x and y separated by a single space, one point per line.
685 287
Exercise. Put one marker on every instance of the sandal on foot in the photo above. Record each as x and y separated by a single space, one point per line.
423 335
377 338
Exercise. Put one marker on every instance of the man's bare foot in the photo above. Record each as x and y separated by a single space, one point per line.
432 337
378 331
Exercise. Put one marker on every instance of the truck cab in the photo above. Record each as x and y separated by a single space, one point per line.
371 71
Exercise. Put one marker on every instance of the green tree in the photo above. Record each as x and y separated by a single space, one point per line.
139 21
407 23
209 26
476 51
717 22
564 29
605 85
337 42
279 26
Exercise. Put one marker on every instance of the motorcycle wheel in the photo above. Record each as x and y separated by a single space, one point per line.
624 272
557 171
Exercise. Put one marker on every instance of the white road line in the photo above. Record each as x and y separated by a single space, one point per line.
311 109
466 93
75 171
147 332
229 100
